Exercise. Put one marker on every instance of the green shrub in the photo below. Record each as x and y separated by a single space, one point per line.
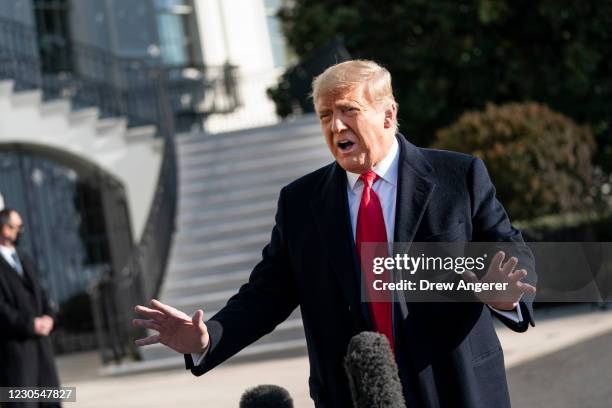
539 160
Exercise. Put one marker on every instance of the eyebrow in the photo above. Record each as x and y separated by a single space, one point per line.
343 104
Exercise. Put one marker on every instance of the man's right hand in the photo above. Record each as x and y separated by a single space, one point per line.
176 329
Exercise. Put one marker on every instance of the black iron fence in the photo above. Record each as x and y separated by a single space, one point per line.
114 296
19 54
91 76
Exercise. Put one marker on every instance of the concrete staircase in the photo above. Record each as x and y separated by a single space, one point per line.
229 185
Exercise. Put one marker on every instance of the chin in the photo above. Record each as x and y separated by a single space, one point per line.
354 164
353 167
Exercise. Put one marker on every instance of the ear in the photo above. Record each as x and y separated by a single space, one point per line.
390 115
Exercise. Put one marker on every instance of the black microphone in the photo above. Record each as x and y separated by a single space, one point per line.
372 372
266 396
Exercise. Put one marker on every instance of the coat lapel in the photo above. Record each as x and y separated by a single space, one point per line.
29 281
414 190
10 271
332 215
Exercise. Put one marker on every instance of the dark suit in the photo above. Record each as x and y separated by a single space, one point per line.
26 359
449 354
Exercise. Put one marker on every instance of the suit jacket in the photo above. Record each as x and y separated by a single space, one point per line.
26 359
448 353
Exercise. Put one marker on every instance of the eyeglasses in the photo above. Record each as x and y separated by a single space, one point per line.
19 228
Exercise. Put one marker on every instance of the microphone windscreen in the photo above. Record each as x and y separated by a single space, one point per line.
372 372
266 396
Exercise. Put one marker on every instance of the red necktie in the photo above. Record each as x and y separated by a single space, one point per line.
371 229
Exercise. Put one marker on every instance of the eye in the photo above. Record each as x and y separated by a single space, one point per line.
324 116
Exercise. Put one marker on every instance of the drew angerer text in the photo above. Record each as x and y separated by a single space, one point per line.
425 285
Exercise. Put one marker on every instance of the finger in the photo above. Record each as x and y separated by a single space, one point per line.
497 260
147 341
197 318
150 313
517 275
509 266
146 324
164 308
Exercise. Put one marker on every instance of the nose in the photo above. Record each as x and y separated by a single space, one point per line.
337 124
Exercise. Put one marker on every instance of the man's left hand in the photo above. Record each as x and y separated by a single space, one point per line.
499 272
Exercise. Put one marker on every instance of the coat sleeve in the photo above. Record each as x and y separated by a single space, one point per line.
15 323
266 300
491 224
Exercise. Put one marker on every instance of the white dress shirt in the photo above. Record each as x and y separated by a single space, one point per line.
10 255
386 190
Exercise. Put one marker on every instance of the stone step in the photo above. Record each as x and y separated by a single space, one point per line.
227 221
202 268
61 107
256 152
221 241
237 181
235 210
213 231
208 260
214 261
211 143
243 242
204 301
264 164
175 288
27 98
201 202
84 116
111 126
140 133
224 247
307 123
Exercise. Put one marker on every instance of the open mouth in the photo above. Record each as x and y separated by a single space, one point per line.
345 145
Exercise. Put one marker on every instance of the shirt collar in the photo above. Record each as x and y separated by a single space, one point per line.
7 250
386 169
7 253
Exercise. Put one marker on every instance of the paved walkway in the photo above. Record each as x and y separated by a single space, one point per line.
577 376
557 330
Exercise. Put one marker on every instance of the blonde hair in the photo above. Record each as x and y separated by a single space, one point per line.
349 75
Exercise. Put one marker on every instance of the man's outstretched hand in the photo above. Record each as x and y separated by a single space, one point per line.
500 272
176 329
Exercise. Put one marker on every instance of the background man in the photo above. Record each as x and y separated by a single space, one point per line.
26 317
381 188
